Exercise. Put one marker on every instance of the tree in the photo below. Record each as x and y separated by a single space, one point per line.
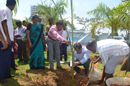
49 11
106 16
125 0
123 14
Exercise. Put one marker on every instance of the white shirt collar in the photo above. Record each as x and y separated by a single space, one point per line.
8 9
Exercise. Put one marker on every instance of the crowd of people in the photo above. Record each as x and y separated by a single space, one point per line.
31 42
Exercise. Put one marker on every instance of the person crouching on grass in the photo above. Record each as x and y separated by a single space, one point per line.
82 58
111 52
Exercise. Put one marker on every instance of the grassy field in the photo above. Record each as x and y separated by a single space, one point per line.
26 77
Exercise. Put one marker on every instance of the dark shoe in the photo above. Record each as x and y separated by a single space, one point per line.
59 67
51 69
16 68
25 62
4 82
20 60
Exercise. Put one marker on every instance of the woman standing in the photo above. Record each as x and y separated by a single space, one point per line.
36 41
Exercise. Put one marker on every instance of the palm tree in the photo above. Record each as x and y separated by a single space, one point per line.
47 11
94 28
123 15
106 16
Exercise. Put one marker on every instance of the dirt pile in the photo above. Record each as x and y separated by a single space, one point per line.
56 78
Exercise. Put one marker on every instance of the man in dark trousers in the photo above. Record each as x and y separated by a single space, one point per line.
63 45
21 44
82 58
6 27
54 36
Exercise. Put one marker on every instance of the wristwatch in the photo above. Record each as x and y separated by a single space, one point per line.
78 62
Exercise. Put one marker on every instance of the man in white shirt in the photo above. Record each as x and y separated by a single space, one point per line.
63 45
111 52
21 44
82 58
6 27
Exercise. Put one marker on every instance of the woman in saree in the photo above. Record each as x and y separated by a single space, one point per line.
36 42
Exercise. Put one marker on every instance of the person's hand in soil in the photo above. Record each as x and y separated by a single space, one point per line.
75 64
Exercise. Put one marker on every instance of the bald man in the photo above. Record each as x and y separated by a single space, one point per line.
111 53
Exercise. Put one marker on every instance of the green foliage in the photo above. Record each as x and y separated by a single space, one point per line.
107 17
125 0
115 18
49 11
14 24
123 11
16 7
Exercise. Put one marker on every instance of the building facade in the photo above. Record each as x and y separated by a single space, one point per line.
33 9
103 36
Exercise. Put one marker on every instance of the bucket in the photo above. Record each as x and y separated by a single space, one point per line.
94 74
118 81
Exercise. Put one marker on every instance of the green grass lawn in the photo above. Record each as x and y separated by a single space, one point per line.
19 80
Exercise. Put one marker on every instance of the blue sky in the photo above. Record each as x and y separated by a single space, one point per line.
81 7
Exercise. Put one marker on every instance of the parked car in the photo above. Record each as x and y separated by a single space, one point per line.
120 38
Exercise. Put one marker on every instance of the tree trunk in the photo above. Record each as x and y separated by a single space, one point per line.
112 33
